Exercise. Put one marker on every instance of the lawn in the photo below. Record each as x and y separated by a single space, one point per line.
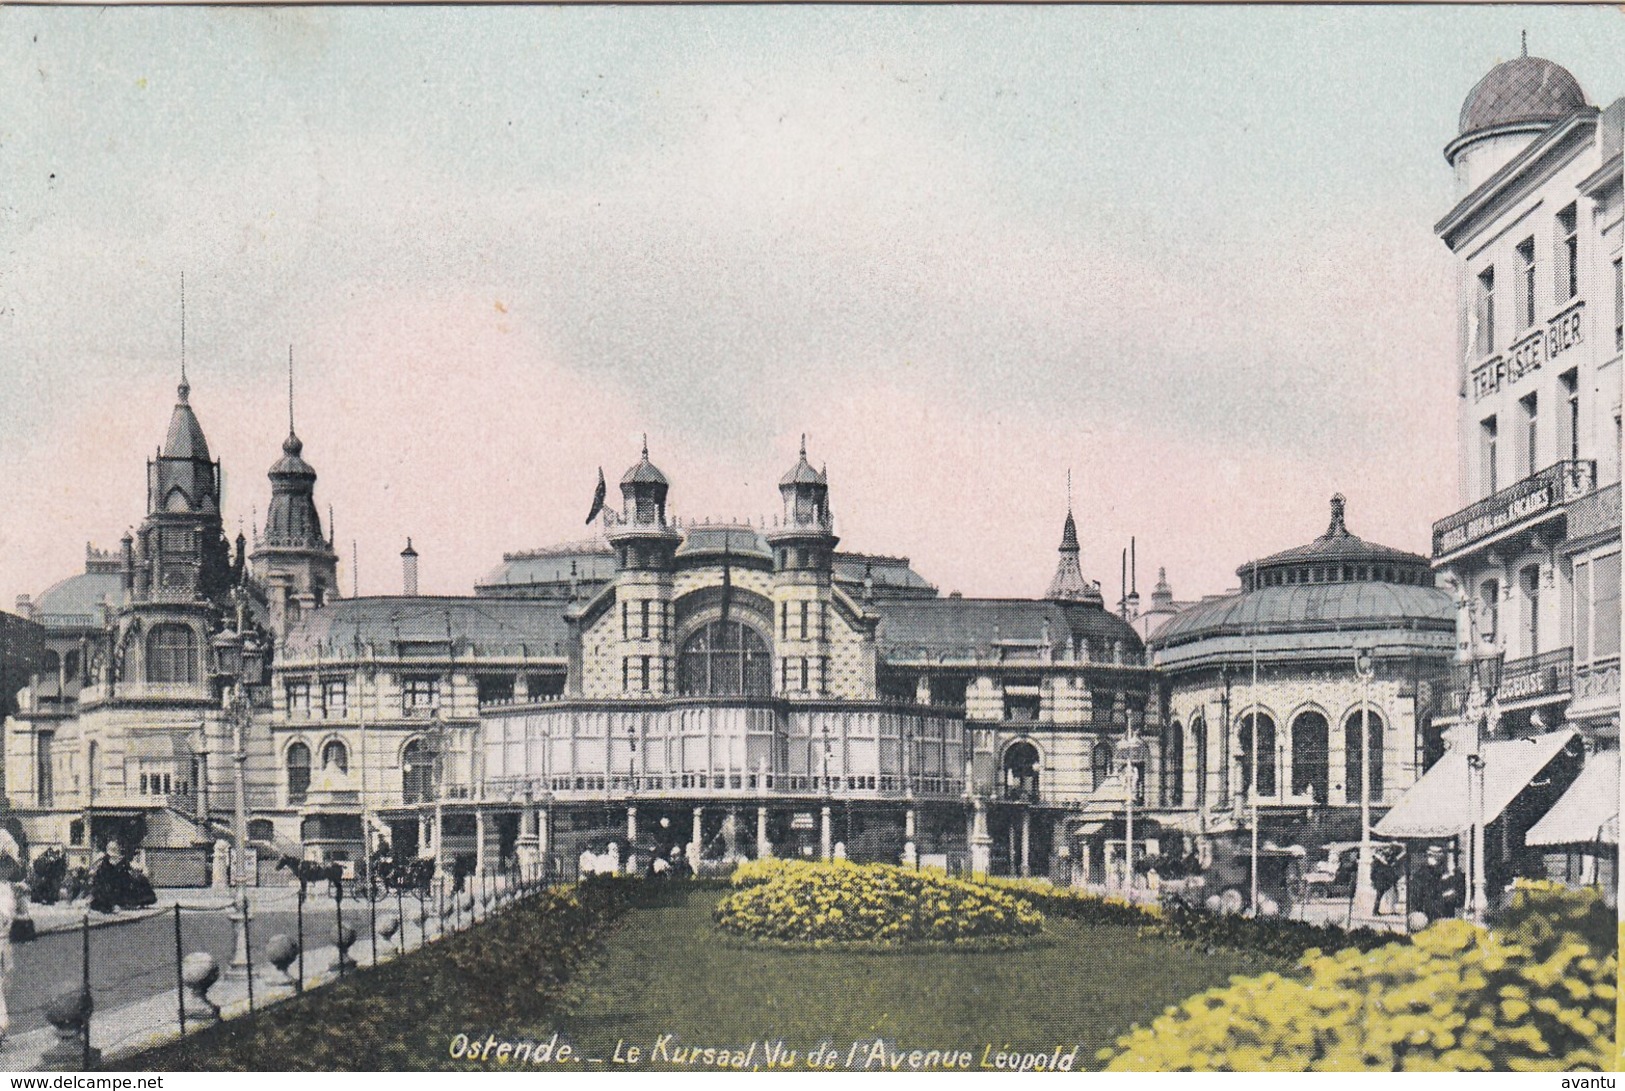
664 969
669 970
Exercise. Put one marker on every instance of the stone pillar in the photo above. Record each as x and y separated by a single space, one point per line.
909 824
764 847
423 834
694 843
1026 842
981 842
544 838
479 840
823 834
631 829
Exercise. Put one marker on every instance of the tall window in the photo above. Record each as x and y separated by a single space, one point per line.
643 622
1571 399
1606 607
1489 598
1529 579
43 789
726 658
1568 254
1100 762
1266 753
299 697
1487 454
1199 744
336 756
1311 767
1526 297
172 654
417 773
1619 303
1531 418
1485 315
335 696
298 762
1372 725
1173 765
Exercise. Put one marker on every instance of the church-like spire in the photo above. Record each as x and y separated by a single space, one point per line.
1069 584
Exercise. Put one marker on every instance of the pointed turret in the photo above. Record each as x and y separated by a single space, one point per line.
292 545
642 538
805 537
1069 584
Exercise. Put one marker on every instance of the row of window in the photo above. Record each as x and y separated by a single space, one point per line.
635 618
1596 609
810 618
335 755
1565 283
1527 436
1310 755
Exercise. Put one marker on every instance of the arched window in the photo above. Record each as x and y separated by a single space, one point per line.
725 658
50 664
1100 762
417 773
1021 767
336 755
70 666
1311 764
172 654
1266 753
1489 597
1351 752
1199 743
1172 788
298 762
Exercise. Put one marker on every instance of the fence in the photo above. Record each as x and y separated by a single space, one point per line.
100 990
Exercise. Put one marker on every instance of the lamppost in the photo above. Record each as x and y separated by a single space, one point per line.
824 837
1365 894
437 732
1130 748
240 709
1480 714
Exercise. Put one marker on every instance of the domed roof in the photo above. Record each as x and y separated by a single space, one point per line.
645 472
291 464
1311 608
1336 556
1523 90
803 473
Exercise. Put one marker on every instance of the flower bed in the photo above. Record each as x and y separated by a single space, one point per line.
1079 905
1537 996
821 904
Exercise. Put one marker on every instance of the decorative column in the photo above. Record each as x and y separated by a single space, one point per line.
544 837
981 842
909 824
479 840
631 828
1026 842
764 847
694 842
824 833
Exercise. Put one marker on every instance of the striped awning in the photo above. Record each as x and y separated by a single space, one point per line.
1437 805
1588 813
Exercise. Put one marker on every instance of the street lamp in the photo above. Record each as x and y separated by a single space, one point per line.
1365 894
1130 749
1480 715
240 709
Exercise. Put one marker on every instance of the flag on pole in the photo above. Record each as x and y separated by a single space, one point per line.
598 497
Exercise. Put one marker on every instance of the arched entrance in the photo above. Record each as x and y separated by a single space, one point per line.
1311 767
1021 769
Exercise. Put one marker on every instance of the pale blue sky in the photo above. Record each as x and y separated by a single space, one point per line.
1185 251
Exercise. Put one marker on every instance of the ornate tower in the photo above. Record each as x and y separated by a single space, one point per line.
1069 584
803 559
645 552
291 558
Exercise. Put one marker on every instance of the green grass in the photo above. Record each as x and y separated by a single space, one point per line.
669 970
665 969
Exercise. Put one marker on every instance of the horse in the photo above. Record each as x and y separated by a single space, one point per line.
310 871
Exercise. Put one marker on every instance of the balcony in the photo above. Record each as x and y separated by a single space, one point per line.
1522 504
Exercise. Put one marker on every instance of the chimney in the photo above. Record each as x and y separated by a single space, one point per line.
25 607
409 569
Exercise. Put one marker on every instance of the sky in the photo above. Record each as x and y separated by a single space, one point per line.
1183 254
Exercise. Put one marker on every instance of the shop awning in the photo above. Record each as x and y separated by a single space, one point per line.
1437 805
1589 810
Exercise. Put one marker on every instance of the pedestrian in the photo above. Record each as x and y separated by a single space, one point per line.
11 869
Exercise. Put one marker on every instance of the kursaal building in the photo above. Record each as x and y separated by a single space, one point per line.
724 690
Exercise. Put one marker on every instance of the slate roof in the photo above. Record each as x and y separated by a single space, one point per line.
593 560
891 574
480 626
185 436
962 628
739 540
1524 89
1310 608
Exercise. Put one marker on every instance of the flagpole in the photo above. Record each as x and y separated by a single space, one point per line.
1253 693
